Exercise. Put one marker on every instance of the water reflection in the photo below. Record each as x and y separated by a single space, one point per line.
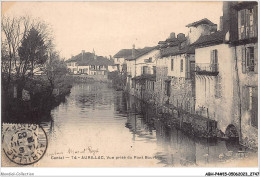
118 124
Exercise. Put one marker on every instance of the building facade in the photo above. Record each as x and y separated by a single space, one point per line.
89 64
227 73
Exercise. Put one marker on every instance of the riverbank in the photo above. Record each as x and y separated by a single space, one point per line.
38 99
192 124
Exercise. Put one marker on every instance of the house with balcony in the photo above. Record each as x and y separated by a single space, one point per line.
226 73
243 37
175 78
214 71
141 72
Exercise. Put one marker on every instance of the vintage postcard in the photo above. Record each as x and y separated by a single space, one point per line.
129 84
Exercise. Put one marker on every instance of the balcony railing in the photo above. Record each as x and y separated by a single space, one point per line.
206 68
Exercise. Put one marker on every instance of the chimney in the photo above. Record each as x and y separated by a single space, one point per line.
133 51
180 36
172 35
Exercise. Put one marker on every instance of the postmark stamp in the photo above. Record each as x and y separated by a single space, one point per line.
24 144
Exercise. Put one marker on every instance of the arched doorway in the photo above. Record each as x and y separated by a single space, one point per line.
231 132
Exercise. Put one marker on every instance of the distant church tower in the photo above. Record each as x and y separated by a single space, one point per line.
94 54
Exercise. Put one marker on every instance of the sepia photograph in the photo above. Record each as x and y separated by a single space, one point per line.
129 84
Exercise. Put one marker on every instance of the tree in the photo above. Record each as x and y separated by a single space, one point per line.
14 31
56 69
33 51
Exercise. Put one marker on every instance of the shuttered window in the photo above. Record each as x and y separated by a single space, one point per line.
254 106
243 54
249 59
214 61
218 87
181 65
250 104
247 23
172 64
145 70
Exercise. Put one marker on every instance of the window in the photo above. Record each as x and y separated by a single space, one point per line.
172 64
254 106
249 59
145 70
247 20
148 70
154 70
251 104
214 61
181 65
153 86
218 87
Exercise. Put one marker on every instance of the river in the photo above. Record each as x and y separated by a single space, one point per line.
98 126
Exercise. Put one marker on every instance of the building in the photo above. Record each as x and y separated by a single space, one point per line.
141 71
214 71
90 64
226 73
175 77
119 58
241 26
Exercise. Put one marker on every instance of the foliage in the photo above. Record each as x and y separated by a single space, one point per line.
56 70
32 51
27 47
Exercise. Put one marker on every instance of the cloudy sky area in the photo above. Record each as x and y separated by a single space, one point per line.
110 26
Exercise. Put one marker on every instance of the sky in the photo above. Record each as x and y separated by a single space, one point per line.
109 27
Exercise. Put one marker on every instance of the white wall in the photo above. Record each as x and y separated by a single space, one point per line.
83 67
120 62
135 67
176 72
112 68
195 32
219 109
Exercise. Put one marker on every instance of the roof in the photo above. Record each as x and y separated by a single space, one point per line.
88 59
202 21
98 61
171 42
124 53
172 51
214 38
162 42
169 51
141 52
79 57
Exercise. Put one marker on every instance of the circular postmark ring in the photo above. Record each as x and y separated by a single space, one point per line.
24 144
